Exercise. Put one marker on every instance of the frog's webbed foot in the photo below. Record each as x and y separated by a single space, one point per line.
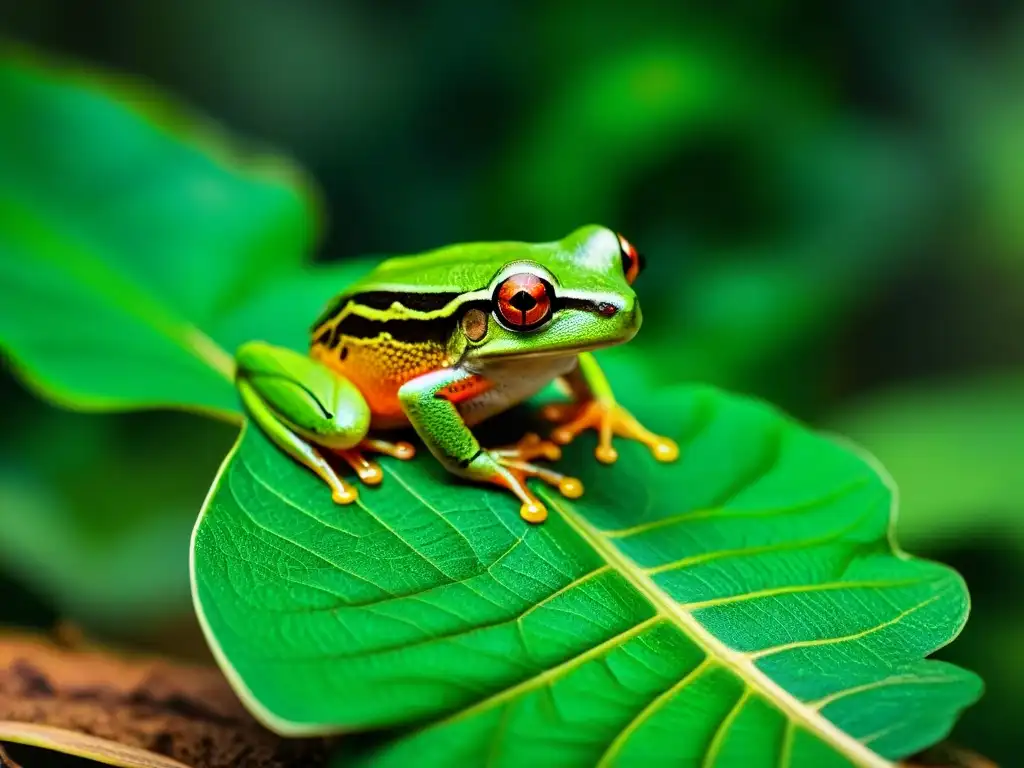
369 471
513 474
608 418
512 466
530 447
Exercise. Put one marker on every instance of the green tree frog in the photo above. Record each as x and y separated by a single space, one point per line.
442 341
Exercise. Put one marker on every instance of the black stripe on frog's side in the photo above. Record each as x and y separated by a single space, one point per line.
418 302
409 331
381 300
414 331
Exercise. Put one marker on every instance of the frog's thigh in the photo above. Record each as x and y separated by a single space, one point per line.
304 395
351 416
294 445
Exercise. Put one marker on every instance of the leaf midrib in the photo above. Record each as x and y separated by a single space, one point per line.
741 664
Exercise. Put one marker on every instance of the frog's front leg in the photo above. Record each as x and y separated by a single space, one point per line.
300 404
594 407
430 402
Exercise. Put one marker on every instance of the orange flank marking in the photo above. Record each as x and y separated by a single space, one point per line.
378 367
466 389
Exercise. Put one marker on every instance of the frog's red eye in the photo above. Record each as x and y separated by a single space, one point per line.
632 260
523 301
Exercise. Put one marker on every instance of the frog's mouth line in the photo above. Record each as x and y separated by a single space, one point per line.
558 352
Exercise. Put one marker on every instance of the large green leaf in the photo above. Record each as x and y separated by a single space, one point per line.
125 226
742 604
745 602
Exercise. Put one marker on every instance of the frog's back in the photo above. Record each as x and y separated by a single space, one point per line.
452 269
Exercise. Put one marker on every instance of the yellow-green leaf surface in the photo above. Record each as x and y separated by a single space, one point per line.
740 607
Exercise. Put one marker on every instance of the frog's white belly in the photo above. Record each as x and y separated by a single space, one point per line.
512 382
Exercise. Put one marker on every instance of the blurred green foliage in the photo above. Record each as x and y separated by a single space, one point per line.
827 194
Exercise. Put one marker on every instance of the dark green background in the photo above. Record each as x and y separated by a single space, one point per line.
828 195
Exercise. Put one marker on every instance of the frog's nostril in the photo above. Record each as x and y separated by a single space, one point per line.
636 317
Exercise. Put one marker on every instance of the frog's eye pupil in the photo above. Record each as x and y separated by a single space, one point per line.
523 301
632 260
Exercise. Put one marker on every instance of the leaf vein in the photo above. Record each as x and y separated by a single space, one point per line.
843 638
722 732
824 701
648 711
794 589
718 512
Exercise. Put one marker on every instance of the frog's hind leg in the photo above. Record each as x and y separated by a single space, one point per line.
294 445
369 471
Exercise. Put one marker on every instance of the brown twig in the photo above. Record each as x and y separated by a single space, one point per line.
5 759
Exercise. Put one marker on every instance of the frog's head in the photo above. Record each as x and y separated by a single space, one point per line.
557 298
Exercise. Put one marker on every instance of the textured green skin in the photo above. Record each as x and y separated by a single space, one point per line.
296 391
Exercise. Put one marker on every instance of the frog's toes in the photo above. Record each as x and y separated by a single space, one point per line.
574 419
608 419
570 487
530 447
559 412
344 494
400 450
665 449
369 471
